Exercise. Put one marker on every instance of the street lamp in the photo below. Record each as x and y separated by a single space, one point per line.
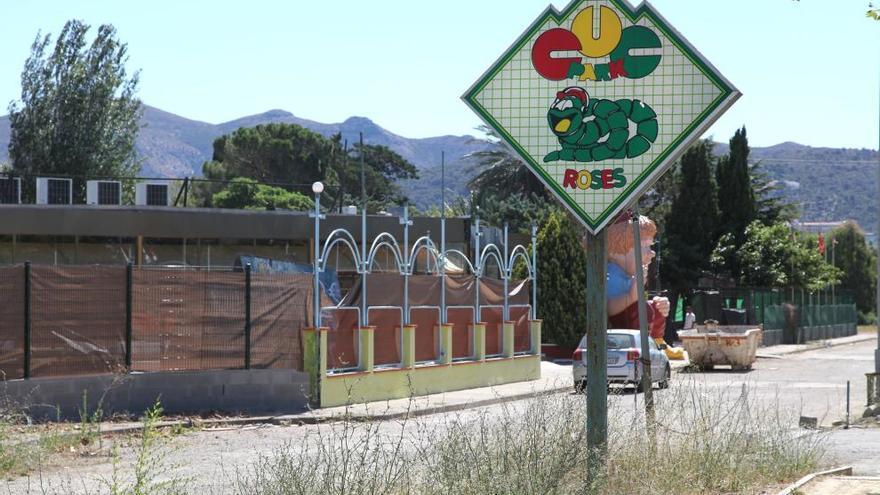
317 188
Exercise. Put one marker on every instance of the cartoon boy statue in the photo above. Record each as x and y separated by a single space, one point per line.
621 287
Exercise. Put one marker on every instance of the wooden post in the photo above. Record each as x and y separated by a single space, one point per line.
597 373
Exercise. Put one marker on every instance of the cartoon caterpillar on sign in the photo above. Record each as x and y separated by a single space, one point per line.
592 130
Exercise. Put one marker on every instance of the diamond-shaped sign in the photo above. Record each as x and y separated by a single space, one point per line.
599 100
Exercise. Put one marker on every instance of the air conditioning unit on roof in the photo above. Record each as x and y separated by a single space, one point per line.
54 191
10 190
103 192
152 193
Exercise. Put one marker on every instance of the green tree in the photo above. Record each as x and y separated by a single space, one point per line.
293 157
382 169
500 172
736 199
78 114
770 206
690 224
271 153
561 283
858 262
248 194
505 188
774 256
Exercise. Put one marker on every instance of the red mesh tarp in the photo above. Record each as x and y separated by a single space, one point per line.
186 320
280 309
427 342
386 289
12 322
77 320
386 335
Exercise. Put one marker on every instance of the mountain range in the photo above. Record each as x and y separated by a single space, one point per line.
826 183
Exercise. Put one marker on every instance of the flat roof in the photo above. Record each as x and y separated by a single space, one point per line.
206 223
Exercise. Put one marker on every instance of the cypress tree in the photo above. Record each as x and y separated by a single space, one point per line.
693 220
561 281
737 207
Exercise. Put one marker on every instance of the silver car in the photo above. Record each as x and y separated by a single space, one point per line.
623 361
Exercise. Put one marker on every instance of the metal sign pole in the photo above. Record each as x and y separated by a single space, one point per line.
597 373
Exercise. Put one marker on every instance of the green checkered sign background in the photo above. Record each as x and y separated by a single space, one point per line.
685 91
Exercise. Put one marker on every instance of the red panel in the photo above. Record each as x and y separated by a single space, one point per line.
386 336
522 340
342 344
493 318
427 342
462 343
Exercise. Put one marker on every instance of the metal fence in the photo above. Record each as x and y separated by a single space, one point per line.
80 320
751 306
787 315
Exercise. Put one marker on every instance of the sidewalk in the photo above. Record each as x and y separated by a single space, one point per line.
778 351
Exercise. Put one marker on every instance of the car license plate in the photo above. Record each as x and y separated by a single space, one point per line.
611 360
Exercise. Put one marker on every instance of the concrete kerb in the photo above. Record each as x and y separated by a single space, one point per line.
797 485
320 416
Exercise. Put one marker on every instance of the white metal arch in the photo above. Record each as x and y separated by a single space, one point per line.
492 251
383 241
520 251
344 237
421 243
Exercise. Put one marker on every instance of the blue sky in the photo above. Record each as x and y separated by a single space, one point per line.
809 71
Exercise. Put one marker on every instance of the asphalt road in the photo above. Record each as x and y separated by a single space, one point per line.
813 384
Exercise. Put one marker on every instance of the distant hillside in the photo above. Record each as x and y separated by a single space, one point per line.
827 183
173 146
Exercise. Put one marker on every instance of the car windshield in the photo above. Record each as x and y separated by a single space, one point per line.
620 341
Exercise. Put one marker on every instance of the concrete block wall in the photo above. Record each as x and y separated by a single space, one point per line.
262 391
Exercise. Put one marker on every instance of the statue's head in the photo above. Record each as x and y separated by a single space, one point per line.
620 242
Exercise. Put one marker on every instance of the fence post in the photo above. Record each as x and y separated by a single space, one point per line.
128 306
27 319
247 316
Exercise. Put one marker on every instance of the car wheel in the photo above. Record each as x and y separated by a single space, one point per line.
667 375
579 387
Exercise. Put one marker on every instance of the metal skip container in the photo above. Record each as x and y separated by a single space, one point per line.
711 345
